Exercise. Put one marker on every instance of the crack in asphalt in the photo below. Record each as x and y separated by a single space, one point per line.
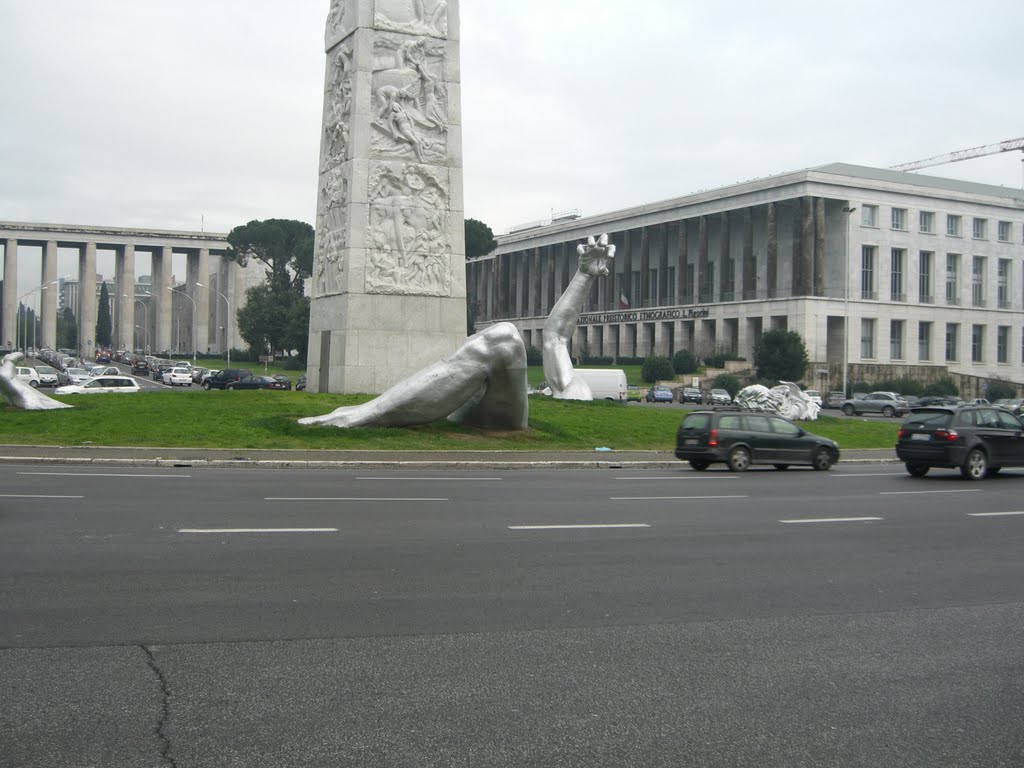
165 709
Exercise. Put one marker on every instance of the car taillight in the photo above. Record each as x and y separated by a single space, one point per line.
901 434
713 437
949 435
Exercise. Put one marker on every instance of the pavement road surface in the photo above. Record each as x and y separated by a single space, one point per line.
238 617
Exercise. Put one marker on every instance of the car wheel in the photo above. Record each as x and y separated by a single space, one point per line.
206 386
848 410
822 459
700 466
888 412
190 384
917 470
739 459
230 387
975 465
782 467
33 384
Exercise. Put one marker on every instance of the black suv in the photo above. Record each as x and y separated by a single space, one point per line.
140 366
221 379
978 440
742 438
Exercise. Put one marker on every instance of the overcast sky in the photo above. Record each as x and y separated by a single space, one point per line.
184 114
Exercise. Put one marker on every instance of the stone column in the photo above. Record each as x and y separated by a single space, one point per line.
705 284
819 246
390 243
749 265
48 314
724 287
664 290
87 300
161 301
772 266
550 293
201 294
681 258
645 267
627 271
9 322
124 280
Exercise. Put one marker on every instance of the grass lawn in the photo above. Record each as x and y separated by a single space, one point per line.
263 419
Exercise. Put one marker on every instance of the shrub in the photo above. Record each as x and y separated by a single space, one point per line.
903 386
657 369
684 361
597 360
943 387
780 355
715 360
294 364
728 382
534 356
999 390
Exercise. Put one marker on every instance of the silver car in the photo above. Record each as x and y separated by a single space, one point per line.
888 404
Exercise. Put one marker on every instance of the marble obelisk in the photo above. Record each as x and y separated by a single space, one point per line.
389 287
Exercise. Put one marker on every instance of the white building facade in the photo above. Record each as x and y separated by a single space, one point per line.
927 275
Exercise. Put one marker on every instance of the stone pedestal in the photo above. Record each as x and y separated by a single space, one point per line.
389 292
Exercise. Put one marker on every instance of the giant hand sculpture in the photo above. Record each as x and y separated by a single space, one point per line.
594 261
787 400
18 394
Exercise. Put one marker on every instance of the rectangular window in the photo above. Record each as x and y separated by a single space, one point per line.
926 222
979 230
1003 344
952 278
896 289
899 218
1003 284
977 343
924 277
924 341
952 332
867 272
867 337
953 226
896 339
869 215
1005 231
978 281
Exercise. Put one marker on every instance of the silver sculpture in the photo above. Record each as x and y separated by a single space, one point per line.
787 400
594 260
483 383
20 395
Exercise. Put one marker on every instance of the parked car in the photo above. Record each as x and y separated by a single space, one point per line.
197 374
691 395
719 397
280 377
300 385
104 370
140 367
1013 405
177 377
101 384
814 395
659 393
48 376
77 375
255 382
161 368
939 400
27 375
739 439
221 379
888 404
978 440
633 394
833 400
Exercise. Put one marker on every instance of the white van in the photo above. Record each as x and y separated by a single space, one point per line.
605 383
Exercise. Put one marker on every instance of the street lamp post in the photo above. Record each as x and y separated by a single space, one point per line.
24 315
194 310
847 209
145 331
145 319
228 322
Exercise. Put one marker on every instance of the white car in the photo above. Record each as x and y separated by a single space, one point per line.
47 376
100 384
815 396
28 375
176 376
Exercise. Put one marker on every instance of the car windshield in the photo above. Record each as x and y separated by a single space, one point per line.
45 369
76 372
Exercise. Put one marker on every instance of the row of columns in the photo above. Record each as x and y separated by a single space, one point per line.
157 313
527 283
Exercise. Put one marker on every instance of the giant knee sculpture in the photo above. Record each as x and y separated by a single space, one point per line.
18 394
484 382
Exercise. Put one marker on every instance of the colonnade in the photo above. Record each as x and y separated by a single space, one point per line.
208 278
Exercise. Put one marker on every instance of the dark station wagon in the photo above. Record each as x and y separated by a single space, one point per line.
740 438
978 440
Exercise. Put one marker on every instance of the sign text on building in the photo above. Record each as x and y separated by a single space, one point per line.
642 315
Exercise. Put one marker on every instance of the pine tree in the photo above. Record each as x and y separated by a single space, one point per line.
103 323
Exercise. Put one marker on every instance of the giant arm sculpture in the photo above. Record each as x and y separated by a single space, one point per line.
18 394
594 260
484 382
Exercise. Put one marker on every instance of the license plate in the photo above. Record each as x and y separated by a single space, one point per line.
920 436
690 441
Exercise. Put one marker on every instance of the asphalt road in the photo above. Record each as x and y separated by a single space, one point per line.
209 617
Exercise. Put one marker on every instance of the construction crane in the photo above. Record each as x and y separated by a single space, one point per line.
964 154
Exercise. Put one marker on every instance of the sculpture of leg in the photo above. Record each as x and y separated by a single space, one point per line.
18 394
483 383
